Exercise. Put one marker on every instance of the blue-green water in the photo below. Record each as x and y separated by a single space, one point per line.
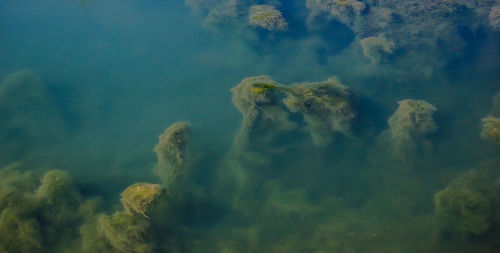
391 156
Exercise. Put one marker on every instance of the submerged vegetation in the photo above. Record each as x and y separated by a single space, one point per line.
396 150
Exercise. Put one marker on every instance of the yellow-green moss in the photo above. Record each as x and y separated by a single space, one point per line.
327 107
491 129
19 233
137 198
171 153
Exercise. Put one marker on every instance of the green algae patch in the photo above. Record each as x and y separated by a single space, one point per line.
137 198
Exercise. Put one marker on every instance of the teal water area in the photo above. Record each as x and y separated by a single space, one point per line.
249 126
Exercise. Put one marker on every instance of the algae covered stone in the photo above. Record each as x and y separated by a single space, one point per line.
171 153
256 98
410 125
119 232
328 107
267 17
376 48
137 198
463 211
491 129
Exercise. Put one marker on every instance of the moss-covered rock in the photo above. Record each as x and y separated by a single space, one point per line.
491 129
328 107
137 198
171 153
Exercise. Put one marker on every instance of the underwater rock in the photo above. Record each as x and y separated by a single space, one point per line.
202 5
171 153
89 207
463 211
249 99
23 91
491 129
465 206
137 198
256 98
410 124
345 11
376 48
19 229
57 203
19 233
124 232
56 186
37 219
328 107
267 17
494 17
119 232
224 15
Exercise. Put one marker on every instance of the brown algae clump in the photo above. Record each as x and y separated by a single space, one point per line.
491 129
327 107
267 17
171 153
137 198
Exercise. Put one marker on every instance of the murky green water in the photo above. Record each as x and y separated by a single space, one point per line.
250 126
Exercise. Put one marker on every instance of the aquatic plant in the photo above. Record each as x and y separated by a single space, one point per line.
345 11
328 107
248 100
119 232
203 5
137 198
171 153
463 211
376 48
19 233
465 206
491 129
89 207
38 219
410 124
256 99
494 17
226 15
124 232
267 17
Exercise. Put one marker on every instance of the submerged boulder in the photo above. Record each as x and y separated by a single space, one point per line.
267 17
328 107
491 129
171 153
137 198
410 125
